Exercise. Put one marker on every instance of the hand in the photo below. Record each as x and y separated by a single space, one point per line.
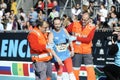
72 53
112 41
59 61
72 38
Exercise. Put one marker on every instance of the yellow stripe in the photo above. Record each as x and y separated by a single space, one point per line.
20 69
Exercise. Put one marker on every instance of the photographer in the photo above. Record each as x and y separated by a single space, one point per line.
112 71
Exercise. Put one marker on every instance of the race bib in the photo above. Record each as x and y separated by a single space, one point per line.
61 47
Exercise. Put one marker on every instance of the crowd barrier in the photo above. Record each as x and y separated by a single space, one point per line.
15 55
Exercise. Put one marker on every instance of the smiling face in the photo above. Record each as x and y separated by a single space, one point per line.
85 19
57 24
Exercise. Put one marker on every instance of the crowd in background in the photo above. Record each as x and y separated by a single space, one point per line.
12 18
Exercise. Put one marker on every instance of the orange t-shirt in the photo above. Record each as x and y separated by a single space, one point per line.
84 35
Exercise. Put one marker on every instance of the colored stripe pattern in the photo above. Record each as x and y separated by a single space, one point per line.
5 70
20 69
83 73
31 68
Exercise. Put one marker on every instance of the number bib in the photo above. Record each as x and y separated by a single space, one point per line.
61 47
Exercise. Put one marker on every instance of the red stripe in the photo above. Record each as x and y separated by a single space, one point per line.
25 70
69 27
5 72
64 69
83 68
31 66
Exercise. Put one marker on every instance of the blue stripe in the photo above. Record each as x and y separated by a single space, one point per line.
4 68
31 69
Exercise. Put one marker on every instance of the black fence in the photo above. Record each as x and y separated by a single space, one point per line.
14 47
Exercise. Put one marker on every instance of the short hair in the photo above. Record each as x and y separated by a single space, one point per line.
86 12
70 19
64 15
113 7
56 18
39 23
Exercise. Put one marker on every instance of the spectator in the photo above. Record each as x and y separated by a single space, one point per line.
113 20
3 6
42 16
103 13
14 6
13 15
22 15
64 19
54 13
9 25
56 5
91 9
15 24
5 19
85 5
112 9
50 5
40 5
33 15
67 22
76 10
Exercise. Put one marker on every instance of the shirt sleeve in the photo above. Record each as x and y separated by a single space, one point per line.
69 28
88 38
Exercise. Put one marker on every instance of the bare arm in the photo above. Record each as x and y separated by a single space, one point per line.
50 41
70 42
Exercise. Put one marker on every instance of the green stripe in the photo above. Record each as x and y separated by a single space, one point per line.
14 69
